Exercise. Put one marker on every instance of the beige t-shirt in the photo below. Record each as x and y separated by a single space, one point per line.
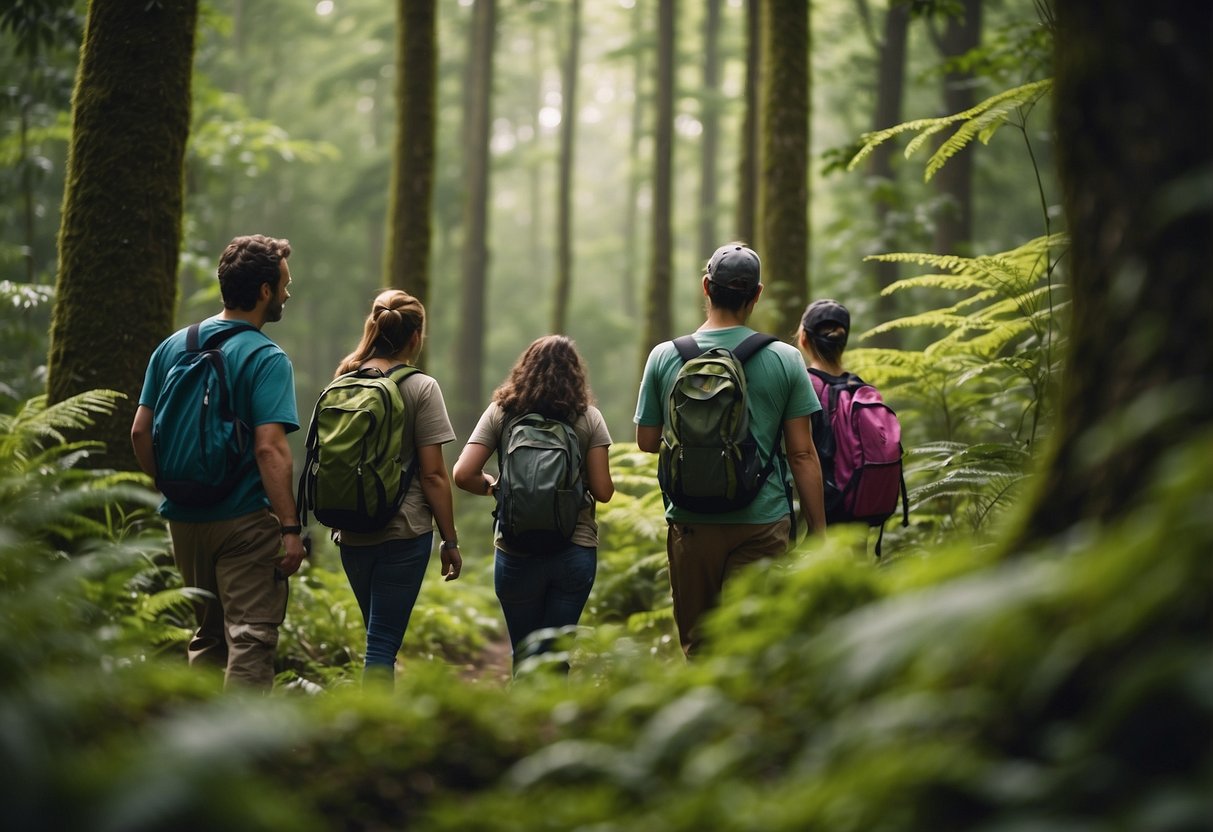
591 432
431 426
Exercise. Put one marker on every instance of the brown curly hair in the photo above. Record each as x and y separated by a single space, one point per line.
549 378
245 264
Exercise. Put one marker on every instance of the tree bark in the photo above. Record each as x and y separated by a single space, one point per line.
123 200
954 182
709 98
748 169
631 242
658 317
1134 180
564 208
470 350
784 184
412 185
890 89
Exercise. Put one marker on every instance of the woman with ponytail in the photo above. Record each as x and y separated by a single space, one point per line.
385 567
824 329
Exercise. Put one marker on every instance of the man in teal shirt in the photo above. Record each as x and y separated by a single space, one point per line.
241 549
704 550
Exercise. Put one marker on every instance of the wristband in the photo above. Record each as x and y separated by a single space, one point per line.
450 544
296 529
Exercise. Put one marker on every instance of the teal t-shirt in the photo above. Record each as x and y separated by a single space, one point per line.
778 389
263 392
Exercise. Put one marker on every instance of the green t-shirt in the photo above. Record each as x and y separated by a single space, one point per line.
263 392
778 390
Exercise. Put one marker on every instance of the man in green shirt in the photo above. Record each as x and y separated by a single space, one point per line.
704 550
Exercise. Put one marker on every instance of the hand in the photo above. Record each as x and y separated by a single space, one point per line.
452 562
296 551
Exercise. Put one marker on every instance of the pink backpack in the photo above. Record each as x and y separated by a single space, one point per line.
860 452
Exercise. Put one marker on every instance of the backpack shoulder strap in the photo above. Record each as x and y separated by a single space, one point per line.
219 337
402 371
687 347
191 337
752 344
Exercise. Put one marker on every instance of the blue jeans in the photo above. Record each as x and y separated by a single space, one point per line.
386 579
538 592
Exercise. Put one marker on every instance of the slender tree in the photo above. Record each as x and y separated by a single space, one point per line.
783 240
748 169
658 316
890 92
954 182
121 228
631 241
568 137
477 125
412 184
709 117
1134 112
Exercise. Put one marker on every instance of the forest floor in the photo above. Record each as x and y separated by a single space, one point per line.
492 666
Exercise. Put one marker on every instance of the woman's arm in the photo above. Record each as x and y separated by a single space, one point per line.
437 490
469 469
598 474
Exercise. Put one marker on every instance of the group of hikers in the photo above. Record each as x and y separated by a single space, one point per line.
734 417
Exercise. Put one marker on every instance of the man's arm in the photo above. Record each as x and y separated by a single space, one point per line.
648 437
274 462
141 440
806 471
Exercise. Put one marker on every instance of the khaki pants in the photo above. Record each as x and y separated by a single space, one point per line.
703 556
236 561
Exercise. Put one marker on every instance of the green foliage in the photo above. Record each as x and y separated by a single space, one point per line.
979 122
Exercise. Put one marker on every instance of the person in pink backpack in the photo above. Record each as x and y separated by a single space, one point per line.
857 435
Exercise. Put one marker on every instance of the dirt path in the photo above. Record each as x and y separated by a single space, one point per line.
492 666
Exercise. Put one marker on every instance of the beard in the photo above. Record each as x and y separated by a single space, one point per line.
273 312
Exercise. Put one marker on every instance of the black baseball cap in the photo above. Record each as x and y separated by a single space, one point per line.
825 311
735 266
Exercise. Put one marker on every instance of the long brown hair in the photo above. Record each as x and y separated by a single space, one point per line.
550 378
395 317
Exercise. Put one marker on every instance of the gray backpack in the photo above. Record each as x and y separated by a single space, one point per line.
540 491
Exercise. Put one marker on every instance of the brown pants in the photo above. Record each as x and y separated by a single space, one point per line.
703 556
235 561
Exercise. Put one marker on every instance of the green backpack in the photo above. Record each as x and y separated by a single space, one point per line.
540 491
354 477
709 460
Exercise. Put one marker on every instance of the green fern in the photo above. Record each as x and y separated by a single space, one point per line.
980 122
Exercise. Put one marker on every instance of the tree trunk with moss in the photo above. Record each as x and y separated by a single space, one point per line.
954 182
122 207
783 241
408 243
709 117
748 170
477 125
658 314
1134 112
564 190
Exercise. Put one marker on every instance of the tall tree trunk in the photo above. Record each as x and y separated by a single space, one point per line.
784 184
568 137
954 182
749 171
412 185
121 227
709 98
658 315
470 349
1136 199
890 88
631 242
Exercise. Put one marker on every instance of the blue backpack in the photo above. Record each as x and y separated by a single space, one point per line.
202 447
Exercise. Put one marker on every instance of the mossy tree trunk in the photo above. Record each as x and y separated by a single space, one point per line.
564 188
709 116
1134 112
409 224
122 207
631 235
954 182
477 126
748 170
783 238
658 314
